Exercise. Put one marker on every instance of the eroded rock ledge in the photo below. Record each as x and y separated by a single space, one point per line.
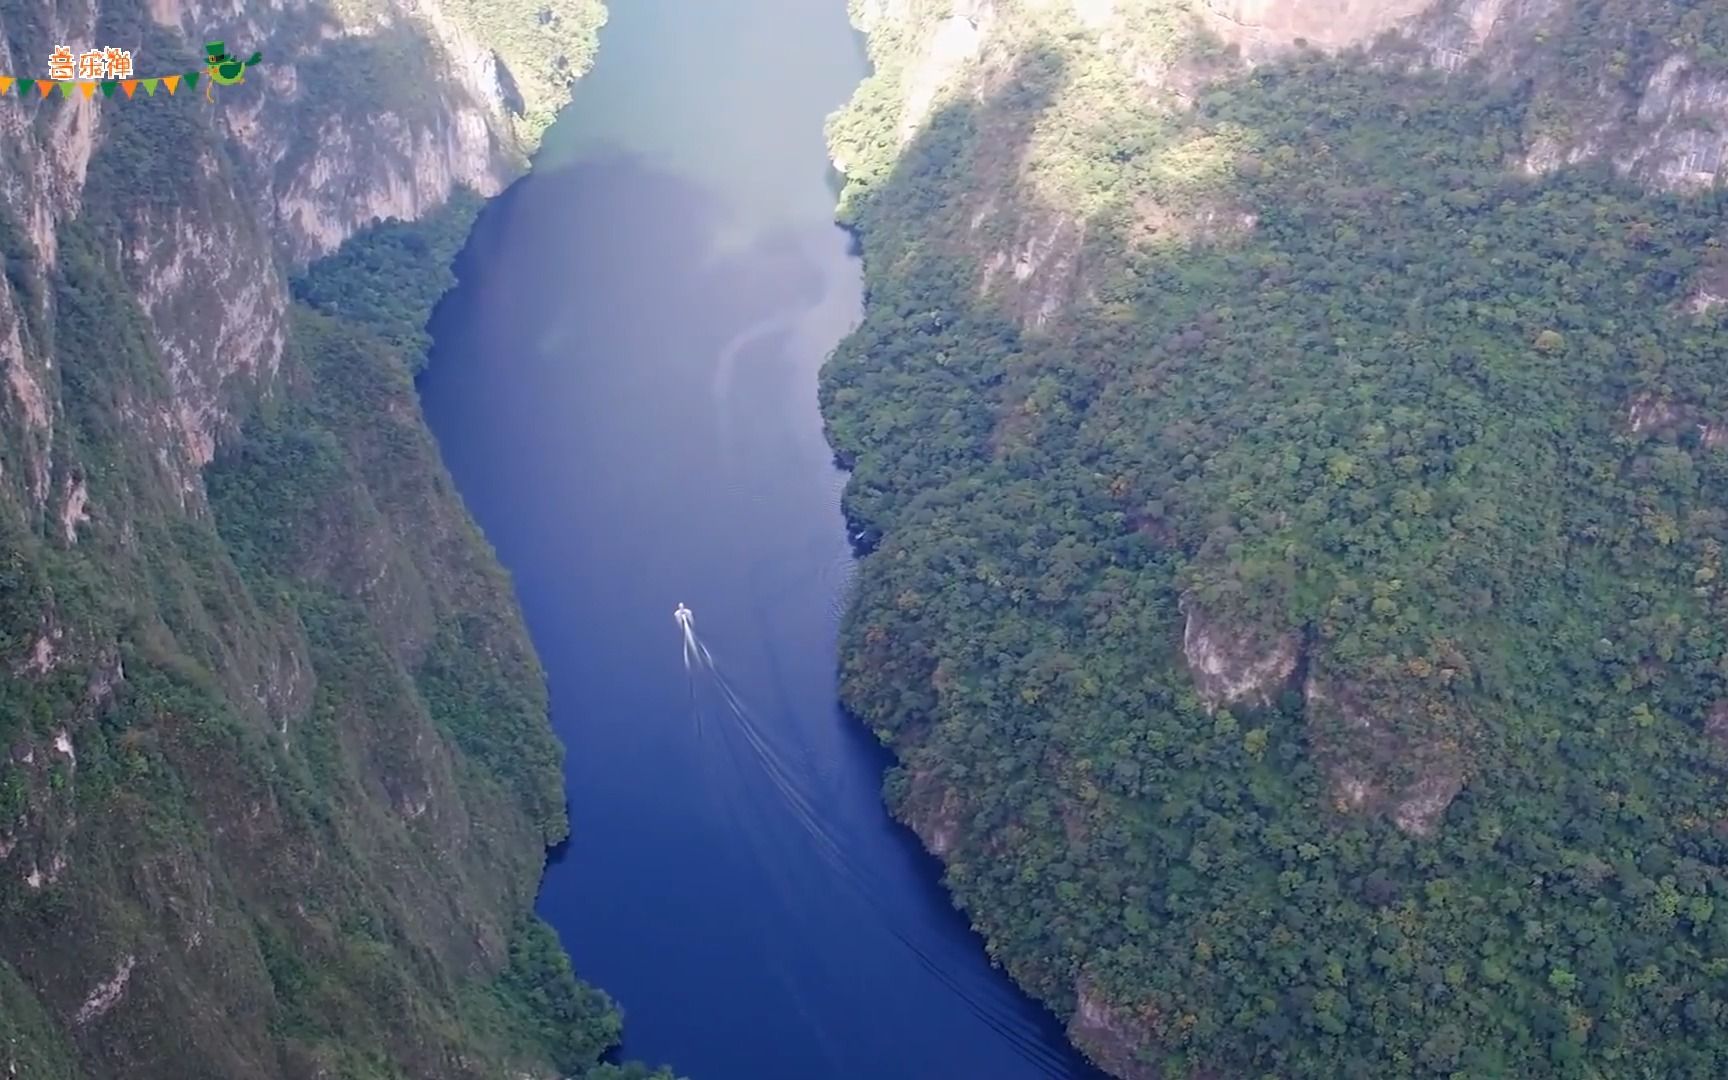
1235 664
1391 751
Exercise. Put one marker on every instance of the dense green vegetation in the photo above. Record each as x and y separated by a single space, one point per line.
539 1002
1386 407
307 476
532 51
389 276
33 1048
282 759
542 47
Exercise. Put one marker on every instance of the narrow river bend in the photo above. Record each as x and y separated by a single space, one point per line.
624 387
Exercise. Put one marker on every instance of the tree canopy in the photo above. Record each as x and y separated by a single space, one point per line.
1328 367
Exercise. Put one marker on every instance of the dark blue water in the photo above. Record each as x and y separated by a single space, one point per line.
624 386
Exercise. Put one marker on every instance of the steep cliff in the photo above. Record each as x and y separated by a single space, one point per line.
1288 434
275 776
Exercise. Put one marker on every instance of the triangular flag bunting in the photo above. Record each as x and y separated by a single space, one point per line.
150 87
191 80
171 81
88 88
66 89
129 85
45 86
6 82
108 88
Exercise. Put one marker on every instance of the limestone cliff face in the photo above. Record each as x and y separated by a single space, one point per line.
310 150
1654 123
1263 28
222 776
930 53
938 38
1657 125
276 172
1676 142
1659 122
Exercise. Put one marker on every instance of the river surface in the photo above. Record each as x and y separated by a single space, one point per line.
624 387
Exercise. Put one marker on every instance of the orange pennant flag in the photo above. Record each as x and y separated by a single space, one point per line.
129 85
45 86
170 81
88 88
6 82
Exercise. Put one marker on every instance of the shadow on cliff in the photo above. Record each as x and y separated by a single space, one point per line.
1050 405
924 242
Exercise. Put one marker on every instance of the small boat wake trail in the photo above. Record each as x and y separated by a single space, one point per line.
993 1005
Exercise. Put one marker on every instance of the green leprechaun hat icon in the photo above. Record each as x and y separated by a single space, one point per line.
225 70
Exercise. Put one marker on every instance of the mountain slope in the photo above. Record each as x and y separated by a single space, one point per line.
1298 500
275 774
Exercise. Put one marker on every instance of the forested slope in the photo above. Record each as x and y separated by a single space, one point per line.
1298 491
276 780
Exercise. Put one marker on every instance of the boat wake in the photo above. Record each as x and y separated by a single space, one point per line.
993 1005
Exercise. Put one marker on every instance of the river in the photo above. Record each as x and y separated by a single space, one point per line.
624 387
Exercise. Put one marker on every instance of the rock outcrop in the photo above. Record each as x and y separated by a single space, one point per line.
1396 752
1110 1035
1262 29
1233 665
932 810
